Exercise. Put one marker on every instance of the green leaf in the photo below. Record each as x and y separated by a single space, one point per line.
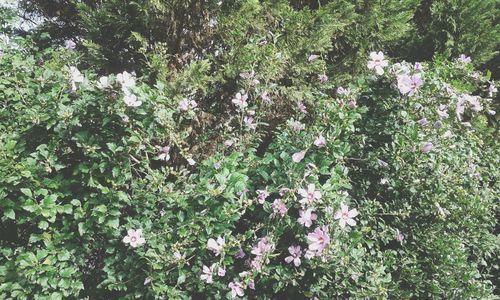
27 192
9 213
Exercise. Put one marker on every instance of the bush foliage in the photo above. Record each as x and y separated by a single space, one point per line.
260 149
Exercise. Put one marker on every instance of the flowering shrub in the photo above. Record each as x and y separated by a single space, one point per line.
281 184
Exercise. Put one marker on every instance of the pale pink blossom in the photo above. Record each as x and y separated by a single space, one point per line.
164 153
249 122
265 97
423 122
262 247
464 59
279 207
346 216
320 142
312 57
69 44
147 280
247 75
323 78
191 161
307 217
298 156
318 239
302 107
377 62
443 111
295 254
262 195
240 100
297 126
216 246
352 104
426 147
399 236
409 84
342 91
134 238
240 254
251 284
131 100
208 273
309 195
236 289
418 66
221 272
186 104
228 143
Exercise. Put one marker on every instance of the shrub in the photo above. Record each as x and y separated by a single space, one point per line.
246 172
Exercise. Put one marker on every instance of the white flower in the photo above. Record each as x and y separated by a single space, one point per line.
103 83
185 104
191 161
346 216
216 246
377 62
75 77
131 100
207 274
126 80
164 153
134 238
69 44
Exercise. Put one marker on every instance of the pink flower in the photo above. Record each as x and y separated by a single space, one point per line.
240 254
298 156
262 247
443 111
464 59
323 78
164 153
228 143
320 142
247 75
399 236
309 195
342 91
423 122
377 62
427 147
216 246
248 120
297 126
346 216
295 254
185 104
265 97
307 217
208 274
221 272
418 66
251 284
409 85
134 238
236 289
318 240
302 107
240 100
312 57
262 195
70 45
279 207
